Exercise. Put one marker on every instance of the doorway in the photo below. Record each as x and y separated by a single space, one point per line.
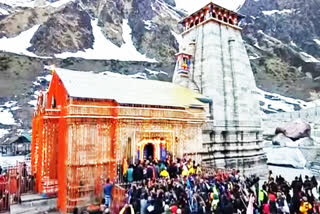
148 151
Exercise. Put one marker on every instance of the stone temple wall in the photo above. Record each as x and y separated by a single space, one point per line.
221 70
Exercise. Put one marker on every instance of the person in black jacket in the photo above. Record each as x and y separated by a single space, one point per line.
307 185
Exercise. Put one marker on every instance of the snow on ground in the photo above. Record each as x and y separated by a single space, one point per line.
255 56
147 24
285 156
293 44
3 12
273 103
6 117
151 72
18 3
272 12
33 3
307 57
317 41
60 3
169 10
10 104
105 49
20 43
39 87
3 132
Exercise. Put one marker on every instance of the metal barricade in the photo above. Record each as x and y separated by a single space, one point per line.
4 194
16 181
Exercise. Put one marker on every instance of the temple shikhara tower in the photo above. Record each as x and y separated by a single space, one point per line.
213 61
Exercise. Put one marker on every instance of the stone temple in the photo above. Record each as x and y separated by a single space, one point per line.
213 61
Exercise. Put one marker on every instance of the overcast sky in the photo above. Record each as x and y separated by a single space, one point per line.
193 5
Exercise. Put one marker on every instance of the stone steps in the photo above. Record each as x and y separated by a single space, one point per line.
33 204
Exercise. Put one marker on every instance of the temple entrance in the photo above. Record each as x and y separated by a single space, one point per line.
154 148
148 152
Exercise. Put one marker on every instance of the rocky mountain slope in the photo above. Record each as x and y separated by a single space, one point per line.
140 38
283 40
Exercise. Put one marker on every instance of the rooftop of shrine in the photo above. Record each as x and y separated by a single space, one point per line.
212 12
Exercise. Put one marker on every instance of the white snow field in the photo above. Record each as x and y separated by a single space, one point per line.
34 3
272 12
274 103
20 43
105 49
285 156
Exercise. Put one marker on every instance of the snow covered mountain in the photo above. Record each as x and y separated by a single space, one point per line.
283 43
140 38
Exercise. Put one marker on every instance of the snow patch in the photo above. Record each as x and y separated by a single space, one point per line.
15 108
3 132
6 117
34 3
317 41
308 58
9 104
274 103
255 56
170 10
281 12
20 43
147 24
293 156
33 103
19 3
60 3
3 12
104 49
293 44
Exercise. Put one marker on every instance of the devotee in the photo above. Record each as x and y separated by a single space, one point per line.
183 187
107 190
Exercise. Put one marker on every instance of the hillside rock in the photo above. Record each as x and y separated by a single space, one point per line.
69 30
15 23
283 56
111 19
295 130
305 142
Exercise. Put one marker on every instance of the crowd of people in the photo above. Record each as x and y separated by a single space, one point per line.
182 186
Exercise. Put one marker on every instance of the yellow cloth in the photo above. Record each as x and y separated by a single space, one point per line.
164 173
185 172
124 166
199 170
305 207
192 171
